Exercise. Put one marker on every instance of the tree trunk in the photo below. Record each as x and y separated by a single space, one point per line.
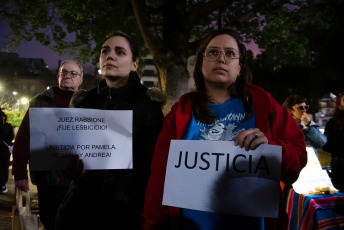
175 82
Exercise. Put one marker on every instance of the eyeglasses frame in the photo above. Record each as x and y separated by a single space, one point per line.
72 73
220 51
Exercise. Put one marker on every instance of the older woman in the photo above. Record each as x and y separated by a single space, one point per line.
248 115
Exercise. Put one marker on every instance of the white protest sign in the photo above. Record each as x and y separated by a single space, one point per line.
217 176
102 138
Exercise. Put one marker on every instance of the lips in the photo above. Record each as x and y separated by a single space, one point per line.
220 69
109 66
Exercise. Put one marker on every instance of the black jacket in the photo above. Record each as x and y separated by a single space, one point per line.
335 137
104 199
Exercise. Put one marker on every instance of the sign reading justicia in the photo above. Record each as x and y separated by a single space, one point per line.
217 176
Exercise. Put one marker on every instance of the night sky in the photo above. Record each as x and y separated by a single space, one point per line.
33 49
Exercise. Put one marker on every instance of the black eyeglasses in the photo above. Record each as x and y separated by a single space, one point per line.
212 54
306 107
73 74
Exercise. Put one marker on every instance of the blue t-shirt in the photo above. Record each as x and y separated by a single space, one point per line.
227 125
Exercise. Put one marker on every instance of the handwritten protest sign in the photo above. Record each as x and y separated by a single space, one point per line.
102 138
217 176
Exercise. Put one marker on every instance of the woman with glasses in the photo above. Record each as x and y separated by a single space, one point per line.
297 107
224 107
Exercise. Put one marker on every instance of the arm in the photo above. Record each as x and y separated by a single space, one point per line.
314 136
286 133
155 214
21 152
280 128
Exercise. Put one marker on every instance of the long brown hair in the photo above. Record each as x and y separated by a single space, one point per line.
237 89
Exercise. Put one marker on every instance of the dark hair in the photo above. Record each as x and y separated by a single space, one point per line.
237 89
292 100
338 114
133 47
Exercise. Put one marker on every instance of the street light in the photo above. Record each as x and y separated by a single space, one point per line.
24 100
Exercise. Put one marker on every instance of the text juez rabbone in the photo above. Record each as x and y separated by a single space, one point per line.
83 126
81 119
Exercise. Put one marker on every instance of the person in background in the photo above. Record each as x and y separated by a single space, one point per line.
51 185
223 93
113 199
6 135
334 131
297 107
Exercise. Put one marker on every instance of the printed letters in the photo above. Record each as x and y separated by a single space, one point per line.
246 165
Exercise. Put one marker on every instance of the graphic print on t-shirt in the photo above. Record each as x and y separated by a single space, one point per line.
229 123
222 130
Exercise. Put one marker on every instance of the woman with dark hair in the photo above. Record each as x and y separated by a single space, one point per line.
113 199
246 114
334 131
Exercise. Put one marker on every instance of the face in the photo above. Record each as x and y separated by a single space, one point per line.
116 61
298 110
341 105
69 76
223 71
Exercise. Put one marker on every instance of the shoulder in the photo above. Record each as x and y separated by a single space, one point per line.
83 98
156 96
44 98
184 103
262 99
77 97
259 92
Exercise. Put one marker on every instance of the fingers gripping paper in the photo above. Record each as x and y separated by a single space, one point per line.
217 176
102 138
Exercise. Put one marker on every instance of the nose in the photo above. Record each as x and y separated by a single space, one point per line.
69 75
222 56
111 54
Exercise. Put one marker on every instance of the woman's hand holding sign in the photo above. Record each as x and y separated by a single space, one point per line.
250 139
76 167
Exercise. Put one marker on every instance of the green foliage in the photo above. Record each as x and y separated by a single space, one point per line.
14 117
302 43
300 38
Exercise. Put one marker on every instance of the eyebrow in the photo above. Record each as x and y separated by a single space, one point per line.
116 47
232 48
63 69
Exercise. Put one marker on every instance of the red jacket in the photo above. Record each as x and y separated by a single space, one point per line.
275 122
52 97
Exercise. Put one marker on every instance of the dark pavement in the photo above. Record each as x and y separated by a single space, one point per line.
7 202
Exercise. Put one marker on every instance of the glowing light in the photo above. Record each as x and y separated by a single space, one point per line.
24 100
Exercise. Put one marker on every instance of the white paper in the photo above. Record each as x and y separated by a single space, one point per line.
225 178
312 175
102 138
